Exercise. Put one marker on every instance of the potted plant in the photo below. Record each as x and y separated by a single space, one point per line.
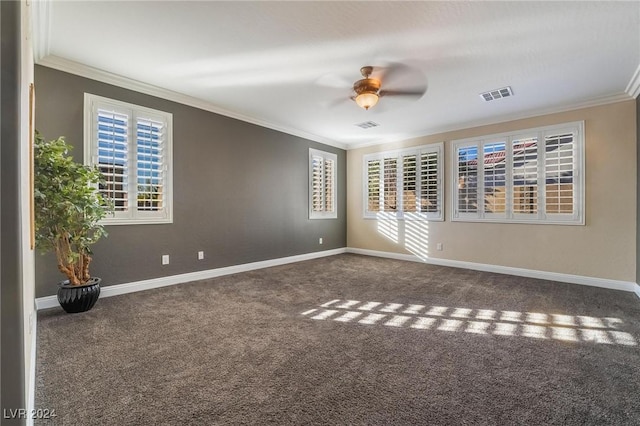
68 210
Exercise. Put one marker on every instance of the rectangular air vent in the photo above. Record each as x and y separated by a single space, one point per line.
497 94
367 124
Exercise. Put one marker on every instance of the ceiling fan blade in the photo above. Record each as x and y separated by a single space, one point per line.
394 73
399 78
415 93
334 80
336 102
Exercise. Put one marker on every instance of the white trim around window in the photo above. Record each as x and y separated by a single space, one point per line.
528 176
404 184
132 147
323 169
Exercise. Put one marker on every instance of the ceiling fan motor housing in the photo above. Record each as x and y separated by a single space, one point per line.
366 85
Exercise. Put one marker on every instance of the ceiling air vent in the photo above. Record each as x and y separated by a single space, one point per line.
367 124
491 95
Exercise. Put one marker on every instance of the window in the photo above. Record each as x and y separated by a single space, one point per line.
131 145
404 184
532 176
322 185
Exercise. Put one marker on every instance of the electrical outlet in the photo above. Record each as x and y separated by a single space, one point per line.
439 246
200 255
320 240
165 259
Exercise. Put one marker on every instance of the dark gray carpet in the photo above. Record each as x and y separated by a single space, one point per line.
258 348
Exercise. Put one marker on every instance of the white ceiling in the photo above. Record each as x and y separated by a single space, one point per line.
288 65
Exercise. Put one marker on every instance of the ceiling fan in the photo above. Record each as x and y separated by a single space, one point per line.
367 90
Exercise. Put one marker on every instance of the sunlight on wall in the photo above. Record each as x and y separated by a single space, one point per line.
534 325
412 232
388 226
416 236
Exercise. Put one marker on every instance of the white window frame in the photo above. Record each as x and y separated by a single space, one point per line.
326 156
133 216
399 214
541 216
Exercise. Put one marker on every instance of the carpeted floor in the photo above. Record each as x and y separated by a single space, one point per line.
347 339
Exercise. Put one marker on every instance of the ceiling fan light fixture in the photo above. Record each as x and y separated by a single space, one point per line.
367 100
366 89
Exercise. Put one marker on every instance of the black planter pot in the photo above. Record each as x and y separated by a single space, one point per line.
78 298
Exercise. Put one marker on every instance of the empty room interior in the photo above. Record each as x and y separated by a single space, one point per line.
320 212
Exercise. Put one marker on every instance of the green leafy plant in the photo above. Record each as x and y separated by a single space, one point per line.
68 207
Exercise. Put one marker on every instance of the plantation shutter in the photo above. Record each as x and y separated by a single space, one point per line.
373 186
322 184
493 179
390 185
534 176
525 176
112 157
405 184
467 180
329 173
559 173
317 193
409 183
430 201
150 164
131 146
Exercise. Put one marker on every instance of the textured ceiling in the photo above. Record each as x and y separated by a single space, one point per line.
290 65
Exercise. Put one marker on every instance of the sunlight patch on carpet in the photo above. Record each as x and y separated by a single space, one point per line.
533 325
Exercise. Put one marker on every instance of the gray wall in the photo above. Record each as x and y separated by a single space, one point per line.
12 359
240 190
638 191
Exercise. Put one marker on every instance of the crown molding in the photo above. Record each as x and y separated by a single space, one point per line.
605 100
41 49
86 71
41 28
633 88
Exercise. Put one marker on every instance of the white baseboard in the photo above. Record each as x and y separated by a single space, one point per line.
118 289
115 290
31 395
521 272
